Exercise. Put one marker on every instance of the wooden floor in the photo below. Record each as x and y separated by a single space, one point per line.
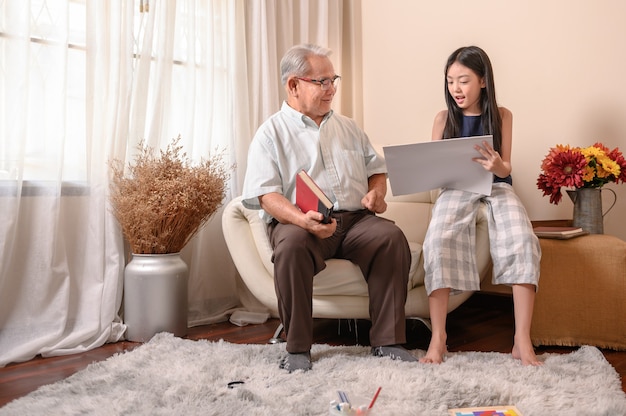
483 323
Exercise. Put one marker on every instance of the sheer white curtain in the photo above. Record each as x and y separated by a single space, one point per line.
72 100
61 257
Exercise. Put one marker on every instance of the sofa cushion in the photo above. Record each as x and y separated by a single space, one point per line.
344 278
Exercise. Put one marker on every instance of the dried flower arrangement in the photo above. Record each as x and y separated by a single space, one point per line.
164 201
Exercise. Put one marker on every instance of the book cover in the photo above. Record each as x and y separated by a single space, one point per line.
309 196
486 411
559 232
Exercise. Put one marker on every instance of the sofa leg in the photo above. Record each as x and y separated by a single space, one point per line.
276 339
356 328
425 321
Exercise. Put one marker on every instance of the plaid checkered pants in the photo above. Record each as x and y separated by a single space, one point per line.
450 243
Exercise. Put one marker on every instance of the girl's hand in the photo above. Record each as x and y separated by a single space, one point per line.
491 160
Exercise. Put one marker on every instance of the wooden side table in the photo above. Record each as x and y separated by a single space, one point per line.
582 293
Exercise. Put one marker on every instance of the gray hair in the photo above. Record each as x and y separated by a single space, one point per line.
295 60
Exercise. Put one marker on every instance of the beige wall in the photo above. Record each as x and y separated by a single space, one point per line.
560 67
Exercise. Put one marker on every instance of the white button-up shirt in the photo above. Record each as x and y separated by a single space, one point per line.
337 155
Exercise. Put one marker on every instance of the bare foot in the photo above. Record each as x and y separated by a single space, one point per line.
523 350
436 350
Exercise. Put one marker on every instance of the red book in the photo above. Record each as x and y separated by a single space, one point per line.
309 197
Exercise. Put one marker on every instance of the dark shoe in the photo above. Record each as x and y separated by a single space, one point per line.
296 361
395 352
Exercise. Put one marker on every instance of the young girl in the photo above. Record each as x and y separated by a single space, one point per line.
449 245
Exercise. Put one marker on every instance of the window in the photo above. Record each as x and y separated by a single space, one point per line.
43 90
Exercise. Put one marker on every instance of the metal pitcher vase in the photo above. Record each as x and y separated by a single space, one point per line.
588 213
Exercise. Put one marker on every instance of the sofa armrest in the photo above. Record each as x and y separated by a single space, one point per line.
241 228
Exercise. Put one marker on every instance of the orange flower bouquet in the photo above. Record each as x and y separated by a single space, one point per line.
589 167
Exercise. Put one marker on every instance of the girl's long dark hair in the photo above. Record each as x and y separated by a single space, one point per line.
477 60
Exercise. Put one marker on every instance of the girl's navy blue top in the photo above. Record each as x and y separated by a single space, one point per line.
472 126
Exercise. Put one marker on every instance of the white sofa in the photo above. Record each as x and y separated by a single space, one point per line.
339 291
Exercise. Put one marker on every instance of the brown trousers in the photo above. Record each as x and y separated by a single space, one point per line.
373 243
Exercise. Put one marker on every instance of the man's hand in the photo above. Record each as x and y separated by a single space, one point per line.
313 224
374 199
287 213
374 202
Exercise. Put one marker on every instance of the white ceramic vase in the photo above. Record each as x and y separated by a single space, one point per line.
155 296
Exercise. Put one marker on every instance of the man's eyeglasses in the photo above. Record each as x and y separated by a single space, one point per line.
325 83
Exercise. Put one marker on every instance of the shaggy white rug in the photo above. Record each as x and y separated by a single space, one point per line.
173 376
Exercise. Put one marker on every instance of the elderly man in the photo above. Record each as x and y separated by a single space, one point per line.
306 135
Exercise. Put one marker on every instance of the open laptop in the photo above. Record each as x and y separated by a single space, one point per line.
437 164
